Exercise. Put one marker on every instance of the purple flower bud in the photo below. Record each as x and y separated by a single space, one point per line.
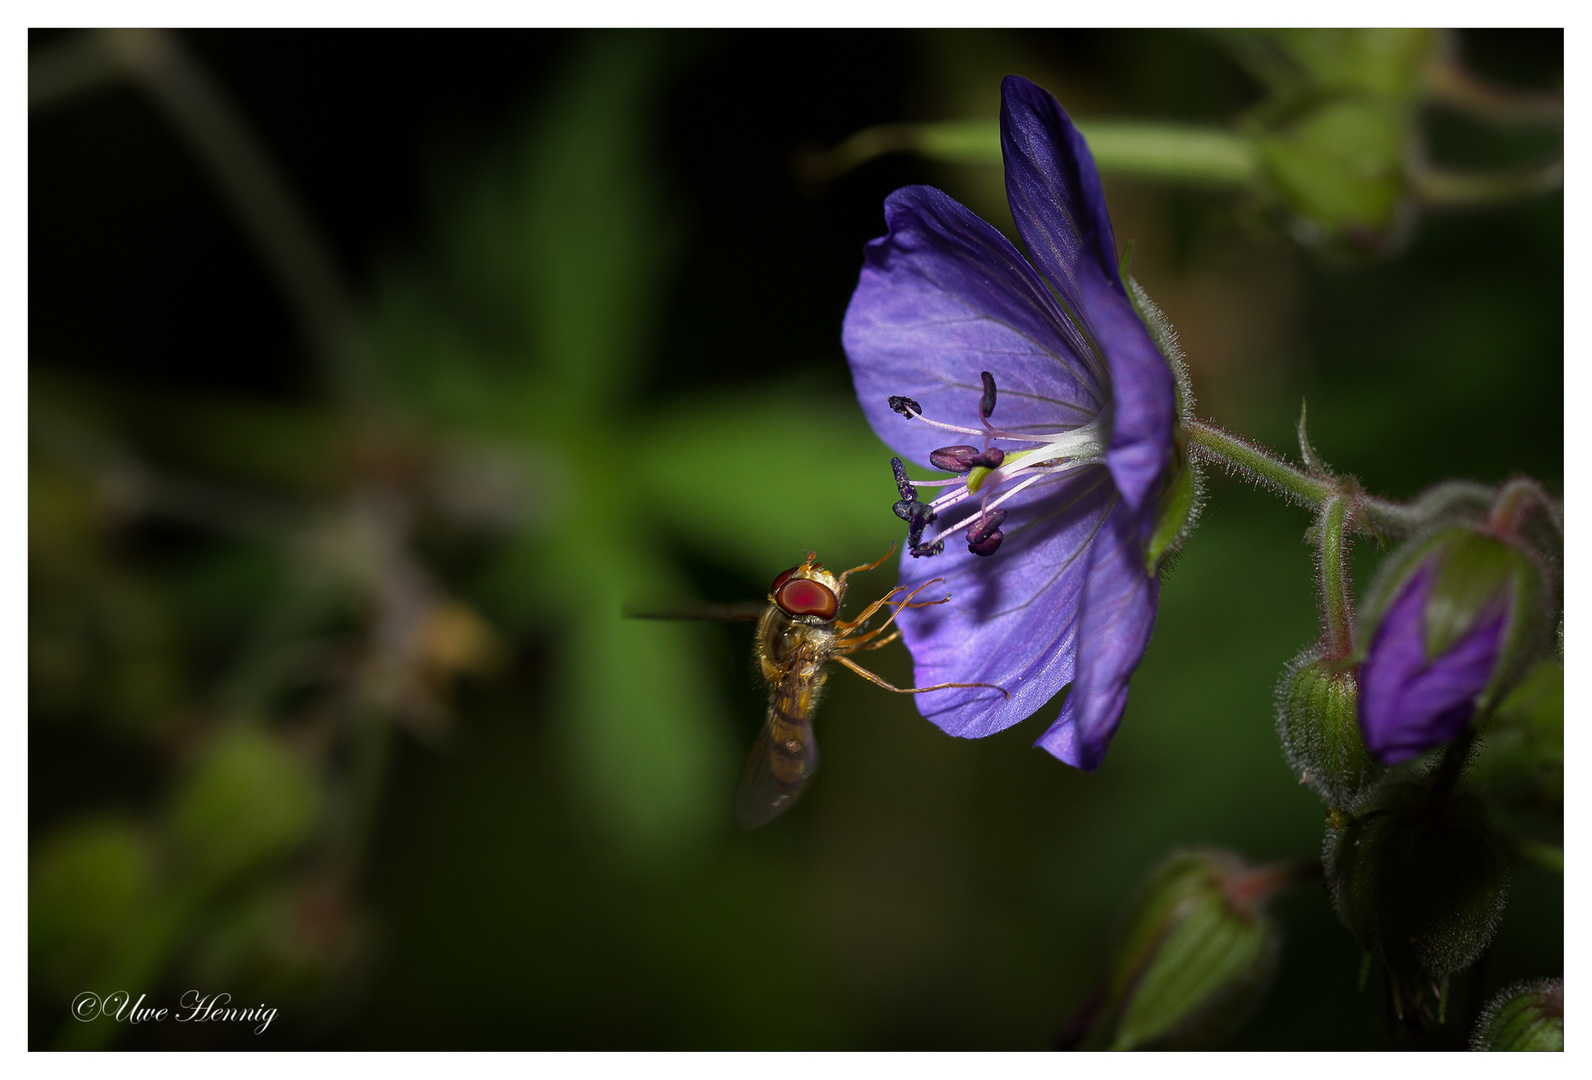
1412 703
1460 621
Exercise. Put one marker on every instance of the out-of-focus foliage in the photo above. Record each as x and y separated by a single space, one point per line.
331 702
1336 149
1198 953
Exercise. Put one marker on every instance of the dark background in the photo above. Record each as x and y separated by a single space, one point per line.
927 893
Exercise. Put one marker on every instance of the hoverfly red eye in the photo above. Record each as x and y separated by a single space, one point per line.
774 588
799 596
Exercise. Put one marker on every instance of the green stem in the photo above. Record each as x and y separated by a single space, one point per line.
1450 495
1178 153
1449 83
1537 853
1362 513
1452 189
1516 499
70 68
1449 770
1337 606
1257 464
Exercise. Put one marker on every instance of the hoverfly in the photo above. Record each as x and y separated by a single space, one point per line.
797 634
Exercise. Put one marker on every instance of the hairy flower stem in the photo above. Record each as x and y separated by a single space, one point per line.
1452 767
1337 605
1537 853
1258 465
1315 488
1517 499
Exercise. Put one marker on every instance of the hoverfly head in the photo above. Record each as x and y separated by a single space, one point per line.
807 591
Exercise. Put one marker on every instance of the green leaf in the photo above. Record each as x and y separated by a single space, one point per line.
1388 62
89 885
1340 165
648 743
247 801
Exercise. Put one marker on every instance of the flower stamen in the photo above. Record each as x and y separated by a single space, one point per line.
986 472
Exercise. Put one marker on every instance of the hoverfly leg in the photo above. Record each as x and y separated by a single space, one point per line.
868 566
881 643
871 677
889 598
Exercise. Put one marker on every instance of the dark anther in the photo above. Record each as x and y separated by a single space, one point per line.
920 550
917 515
960 459
986 404
985 535
903 482
906 406
953 458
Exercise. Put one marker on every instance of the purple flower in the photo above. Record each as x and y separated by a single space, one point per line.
954 337
1411 701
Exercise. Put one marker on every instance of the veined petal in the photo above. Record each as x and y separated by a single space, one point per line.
1054 191
1117 615
1013 618
1060 212
1143 398
943 296
1410 703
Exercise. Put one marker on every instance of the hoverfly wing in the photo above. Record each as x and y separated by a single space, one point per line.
762 794
696 611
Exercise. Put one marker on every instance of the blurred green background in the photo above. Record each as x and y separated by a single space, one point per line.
338 487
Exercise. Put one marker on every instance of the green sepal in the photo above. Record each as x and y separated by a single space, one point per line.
1526 1016
1521 761
1195 958
1177 508
1318 724
1473 574
1419 884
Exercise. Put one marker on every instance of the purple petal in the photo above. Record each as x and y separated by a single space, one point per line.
942 297
1410 703
1013 617
1060 211
1118 613
1054 191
